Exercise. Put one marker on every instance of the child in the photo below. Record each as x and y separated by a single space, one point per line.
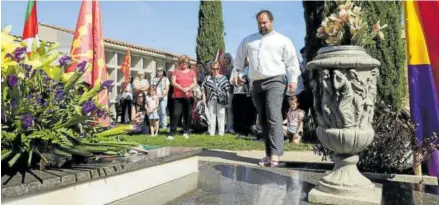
295 116
152 104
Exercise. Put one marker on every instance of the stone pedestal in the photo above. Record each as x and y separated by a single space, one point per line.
344 88
345 185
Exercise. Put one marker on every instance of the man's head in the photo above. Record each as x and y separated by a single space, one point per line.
265 22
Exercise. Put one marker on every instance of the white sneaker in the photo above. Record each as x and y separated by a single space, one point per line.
170 138
186 136
232 131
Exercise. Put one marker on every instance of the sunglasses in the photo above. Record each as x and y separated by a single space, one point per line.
215 68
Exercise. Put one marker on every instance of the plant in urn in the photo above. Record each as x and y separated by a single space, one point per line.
344 87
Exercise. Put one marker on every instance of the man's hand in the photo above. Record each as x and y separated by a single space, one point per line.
241 81
235 81
292 87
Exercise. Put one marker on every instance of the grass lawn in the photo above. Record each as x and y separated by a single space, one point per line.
226 142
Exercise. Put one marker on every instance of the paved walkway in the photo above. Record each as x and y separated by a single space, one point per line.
253 157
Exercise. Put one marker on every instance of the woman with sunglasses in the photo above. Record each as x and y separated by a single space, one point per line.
216 93
138 112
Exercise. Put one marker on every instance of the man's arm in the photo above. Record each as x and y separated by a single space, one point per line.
238 63
291 62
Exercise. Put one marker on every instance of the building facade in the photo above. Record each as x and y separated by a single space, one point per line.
142 58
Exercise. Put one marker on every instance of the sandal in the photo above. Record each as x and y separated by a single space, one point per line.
274 163
264 162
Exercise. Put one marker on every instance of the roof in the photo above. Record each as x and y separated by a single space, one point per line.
120 43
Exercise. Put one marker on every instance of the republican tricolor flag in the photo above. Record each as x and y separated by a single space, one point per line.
30 29
422 36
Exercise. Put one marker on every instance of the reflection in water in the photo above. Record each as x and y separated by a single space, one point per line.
260 186
231 184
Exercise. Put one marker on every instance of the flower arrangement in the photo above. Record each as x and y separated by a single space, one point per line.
44 112
348 28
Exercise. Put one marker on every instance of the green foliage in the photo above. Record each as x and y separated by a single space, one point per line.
210 36
390 52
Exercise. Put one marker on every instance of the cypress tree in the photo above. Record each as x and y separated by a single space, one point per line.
210 30
390 52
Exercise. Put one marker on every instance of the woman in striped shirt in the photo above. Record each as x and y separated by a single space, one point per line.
216 93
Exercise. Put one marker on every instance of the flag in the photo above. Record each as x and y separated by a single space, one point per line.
30 30
218 56
423 70
88 45
126 67
219 53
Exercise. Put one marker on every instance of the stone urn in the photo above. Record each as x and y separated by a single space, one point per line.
343 82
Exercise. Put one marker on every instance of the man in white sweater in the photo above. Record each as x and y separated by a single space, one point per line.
273 64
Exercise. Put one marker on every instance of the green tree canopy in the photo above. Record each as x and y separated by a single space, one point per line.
210 36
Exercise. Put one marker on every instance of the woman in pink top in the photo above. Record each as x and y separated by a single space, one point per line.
183 80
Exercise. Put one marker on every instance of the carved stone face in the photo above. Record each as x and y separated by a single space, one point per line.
352 74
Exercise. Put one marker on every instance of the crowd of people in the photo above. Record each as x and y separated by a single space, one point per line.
262 86
224 94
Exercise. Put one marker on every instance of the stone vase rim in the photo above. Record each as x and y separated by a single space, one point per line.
327 49
343 57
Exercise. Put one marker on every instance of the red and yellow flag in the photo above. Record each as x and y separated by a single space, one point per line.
126 67
88 45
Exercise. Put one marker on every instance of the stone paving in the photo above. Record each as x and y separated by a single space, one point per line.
250 158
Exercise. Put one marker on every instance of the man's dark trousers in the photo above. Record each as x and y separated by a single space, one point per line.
267 97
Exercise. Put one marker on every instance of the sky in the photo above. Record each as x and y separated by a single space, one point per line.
165 25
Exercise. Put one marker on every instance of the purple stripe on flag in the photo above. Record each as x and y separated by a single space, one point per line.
424 107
